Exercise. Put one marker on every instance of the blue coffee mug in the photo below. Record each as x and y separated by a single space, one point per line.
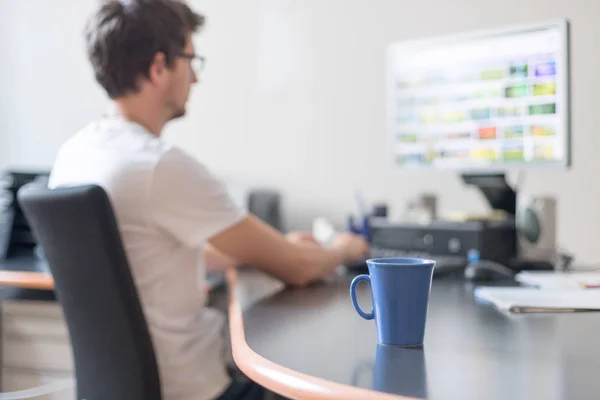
400 290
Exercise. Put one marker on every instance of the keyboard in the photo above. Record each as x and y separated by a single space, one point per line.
443 263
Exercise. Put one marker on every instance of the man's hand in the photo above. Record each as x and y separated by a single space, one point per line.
353 247
296 258
301 237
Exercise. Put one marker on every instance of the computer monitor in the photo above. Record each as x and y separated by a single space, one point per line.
482 102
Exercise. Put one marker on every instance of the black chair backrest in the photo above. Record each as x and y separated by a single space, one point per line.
112 348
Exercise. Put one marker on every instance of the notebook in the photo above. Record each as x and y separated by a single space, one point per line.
520 299
560 280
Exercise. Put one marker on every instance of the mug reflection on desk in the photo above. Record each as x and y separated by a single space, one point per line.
400 371
397 370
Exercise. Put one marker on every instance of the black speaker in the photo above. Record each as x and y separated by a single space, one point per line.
536 227
266 205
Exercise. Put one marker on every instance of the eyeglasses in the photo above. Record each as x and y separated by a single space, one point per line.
197 62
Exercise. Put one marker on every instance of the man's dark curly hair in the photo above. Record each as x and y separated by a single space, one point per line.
123 37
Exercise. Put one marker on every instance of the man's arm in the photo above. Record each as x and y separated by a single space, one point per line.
189 203
260 246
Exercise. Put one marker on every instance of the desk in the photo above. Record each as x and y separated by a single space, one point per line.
309 343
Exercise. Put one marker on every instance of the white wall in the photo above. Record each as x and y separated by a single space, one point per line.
46 87
293 97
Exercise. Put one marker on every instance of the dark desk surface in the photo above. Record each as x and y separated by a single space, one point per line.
471 351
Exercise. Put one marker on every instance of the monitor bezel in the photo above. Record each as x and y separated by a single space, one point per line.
563 27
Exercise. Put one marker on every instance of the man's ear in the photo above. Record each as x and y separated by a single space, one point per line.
157 68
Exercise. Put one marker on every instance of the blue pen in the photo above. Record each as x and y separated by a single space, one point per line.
362 230
365 230
351 226
360 202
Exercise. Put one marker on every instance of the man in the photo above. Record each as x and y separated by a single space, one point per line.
172 213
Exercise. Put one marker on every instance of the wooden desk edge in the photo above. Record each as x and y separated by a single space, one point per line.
282 380
27 280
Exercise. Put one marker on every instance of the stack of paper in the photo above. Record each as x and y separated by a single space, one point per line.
546 292
540 300
560 280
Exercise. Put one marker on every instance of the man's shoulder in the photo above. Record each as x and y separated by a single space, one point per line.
104 151
118 137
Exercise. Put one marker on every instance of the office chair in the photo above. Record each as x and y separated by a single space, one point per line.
112 349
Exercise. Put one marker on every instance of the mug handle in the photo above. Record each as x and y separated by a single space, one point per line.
353 285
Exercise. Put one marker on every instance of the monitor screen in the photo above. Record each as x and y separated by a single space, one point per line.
483 101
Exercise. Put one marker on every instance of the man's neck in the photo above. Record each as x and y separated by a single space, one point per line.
133 110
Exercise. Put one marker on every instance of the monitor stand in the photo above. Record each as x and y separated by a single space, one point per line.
496 190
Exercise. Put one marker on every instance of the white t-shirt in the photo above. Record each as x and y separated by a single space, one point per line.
167 205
